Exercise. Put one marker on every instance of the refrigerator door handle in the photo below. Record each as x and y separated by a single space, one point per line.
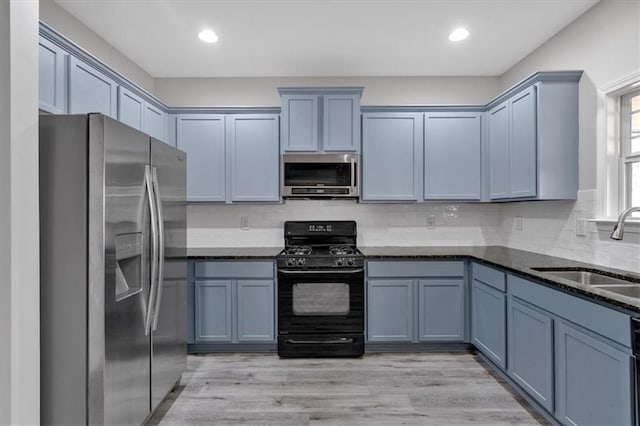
154 249
160 277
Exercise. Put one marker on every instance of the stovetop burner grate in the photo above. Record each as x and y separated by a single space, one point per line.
298 251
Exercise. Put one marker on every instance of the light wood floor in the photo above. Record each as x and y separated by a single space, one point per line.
386 389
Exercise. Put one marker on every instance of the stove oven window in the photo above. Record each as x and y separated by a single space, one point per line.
320 299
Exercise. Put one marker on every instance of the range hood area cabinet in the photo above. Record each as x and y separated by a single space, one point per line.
532 140
320 119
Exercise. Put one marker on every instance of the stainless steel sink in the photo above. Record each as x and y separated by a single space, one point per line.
584 276
595 279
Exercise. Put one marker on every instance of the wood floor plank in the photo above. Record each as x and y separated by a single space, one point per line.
378 389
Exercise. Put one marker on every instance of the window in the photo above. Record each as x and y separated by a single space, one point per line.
630 149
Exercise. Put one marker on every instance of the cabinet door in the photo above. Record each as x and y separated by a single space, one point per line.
52 72
202 137
130 108
254 157
155 122
91 91
392 156
499 151
213 311
530 351
341 122
522 162
390 310
255 313
488 322
300 122
452 156
593 380
441 310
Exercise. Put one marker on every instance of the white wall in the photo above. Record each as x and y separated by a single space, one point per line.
605 43
377 90
19 249
66 24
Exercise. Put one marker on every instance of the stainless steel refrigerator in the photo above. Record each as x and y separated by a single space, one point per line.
113 271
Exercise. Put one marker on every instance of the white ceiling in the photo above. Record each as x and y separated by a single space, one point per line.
293 38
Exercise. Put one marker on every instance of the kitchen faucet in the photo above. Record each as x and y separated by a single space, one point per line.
618 229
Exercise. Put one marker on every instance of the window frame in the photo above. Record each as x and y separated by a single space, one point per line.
627 157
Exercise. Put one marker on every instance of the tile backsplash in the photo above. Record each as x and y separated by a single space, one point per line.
547 227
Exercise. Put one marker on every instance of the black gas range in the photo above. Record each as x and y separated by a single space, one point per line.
320 290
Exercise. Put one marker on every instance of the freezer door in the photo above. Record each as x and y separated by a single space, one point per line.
169 336
120 258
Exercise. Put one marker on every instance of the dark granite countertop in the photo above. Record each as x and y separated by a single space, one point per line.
519 262
233 252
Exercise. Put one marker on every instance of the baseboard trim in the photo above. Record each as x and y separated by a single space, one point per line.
203 348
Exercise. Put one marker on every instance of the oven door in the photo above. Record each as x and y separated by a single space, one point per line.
322 302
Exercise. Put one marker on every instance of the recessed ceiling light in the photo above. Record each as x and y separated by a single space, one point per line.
458 34
208 36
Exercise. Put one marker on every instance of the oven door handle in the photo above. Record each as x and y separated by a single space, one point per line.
322 271
340 341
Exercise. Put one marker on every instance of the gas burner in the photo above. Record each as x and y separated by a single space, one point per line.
298 251
341 250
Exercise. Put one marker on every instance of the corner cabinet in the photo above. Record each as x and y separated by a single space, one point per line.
392 156
230 302
231 158
533 140
321 119
411 301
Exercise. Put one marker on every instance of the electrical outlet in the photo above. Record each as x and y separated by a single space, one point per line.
244 223
581 227
431 221
517 223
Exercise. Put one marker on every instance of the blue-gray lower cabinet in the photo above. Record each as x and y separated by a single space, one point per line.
593 380
488 322
530 351
390 310
213 311
441 310
52 72
415 301
231 302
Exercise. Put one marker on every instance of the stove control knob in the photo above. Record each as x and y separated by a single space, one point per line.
350 262
340 262
291 262
301 261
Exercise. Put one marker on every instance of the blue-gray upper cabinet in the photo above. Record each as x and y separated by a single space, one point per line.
90 90
320 119
52 72
253 144
155 122
202 137
441 309
489 313
392 156
130 108
533 140
594 383
530 351
452 156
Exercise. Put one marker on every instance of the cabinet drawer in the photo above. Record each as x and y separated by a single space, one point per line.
489 276
605 321
234 269
415 269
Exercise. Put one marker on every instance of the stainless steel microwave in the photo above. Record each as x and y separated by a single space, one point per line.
320 175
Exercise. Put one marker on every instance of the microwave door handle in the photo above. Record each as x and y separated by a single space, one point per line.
353 174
